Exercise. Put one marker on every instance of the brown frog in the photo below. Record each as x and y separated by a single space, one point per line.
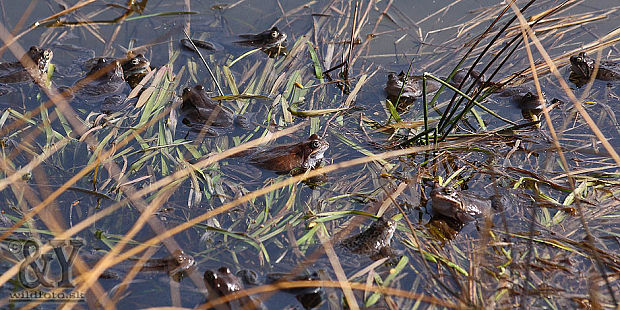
272 41
525 100
292 157
582 67
374 241
461 75
459 205
135 66
175 266
265 40
222 282
15 72
413 86
103 81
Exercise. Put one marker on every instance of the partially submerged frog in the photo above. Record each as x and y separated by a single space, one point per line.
222 282
413 86
105 80
37 62
272 41
374 241
461 75
176 265
525 100
413 83
135 66
287 158
582 68
459 205
265 40
200 112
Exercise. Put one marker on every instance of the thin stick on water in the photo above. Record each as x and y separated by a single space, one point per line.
204 62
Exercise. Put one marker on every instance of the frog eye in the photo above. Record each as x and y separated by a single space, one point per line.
210 275
315 144
135 61
274 34
224 270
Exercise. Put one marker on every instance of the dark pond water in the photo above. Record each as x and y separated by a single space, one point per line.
279 231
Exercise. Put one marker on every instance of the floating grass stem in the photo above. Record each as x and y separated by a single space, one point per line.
219 89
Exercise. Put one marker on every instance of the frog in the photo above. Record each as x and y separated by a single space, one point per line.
37 61
272 41
200 112
375 241
582 67
176 265
265 40
292 158
103 85
461 206
461 75
413 86
135 66
527 101
222 282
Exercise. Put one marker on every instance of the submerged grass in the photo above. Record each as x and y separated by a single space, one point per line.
144 159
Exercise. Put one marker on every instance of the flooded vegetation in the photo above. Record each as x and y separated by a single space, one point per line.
322 154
